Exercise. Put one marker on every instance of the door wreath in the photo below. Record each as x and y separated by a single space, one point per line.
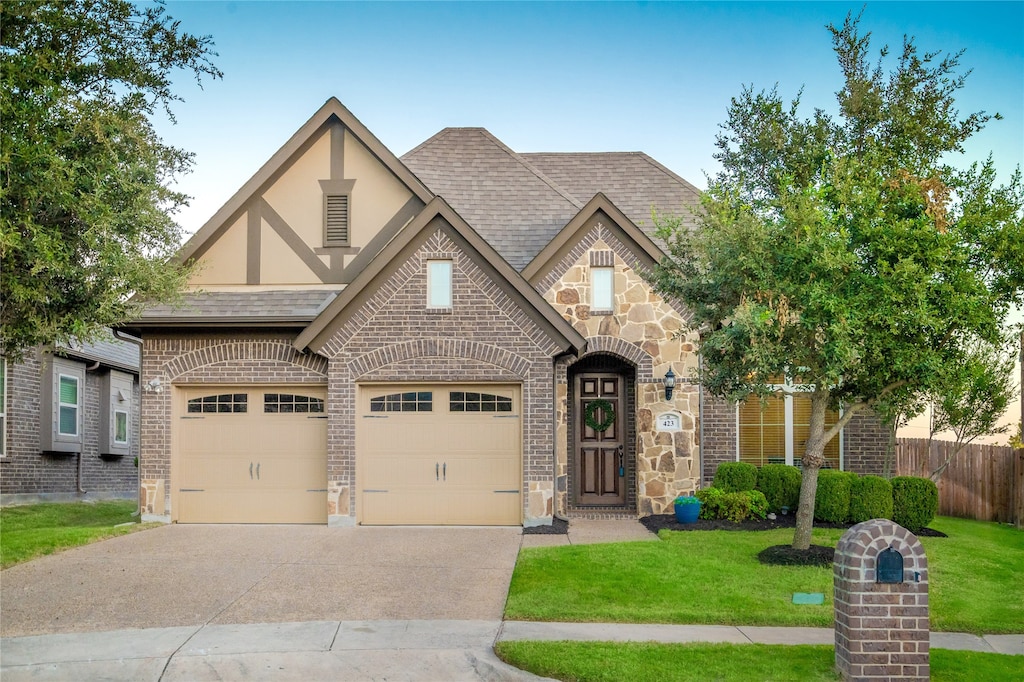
590 414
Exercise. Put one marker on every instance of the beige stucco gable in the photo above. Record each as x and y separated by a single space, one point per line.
273 232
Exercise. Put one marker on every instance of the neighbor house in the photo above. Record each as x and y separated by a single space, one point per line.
69 422
464 335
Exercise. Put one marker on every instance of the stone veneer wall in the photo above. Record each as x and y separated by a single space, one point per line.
27 472
206 358
485 337
881 629
641 330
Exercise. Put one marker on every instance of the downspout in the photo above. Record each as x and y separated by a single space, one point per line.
81 451
118 334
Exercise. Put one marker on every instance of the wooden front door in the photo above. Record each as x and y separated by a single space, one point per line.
600 455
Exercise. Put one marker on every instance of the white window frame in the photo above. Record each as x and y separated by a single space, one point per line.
440 294
787 390
607 300
77 406
127 427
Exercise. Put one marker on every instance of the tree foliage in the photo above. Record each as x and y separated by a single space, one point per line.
845 252
86 204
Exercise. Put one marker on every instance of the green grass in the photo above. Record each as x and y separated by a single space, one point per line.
611 662
34 530
714 578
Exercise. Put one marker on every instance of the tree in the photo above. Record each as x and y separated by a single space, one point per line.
86 207
969 398
843 252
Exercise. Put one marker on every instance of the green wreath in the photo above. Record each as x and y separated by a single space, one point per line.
590 414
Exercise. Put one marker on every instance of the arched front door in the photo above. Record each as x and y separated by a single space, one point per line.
600 449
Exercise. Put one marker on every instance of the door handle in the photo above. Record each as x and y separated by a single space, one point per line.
622 468
250 471
257 471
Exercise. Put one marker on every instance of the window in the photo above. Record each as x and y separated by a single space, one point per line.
461 401
3 407
410 401
285 403
67 422
62 400
221 404
439 284
777 434
602 291
120 427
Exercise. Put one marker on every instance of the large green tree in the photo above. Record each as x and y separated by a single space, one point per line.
848 252
86 209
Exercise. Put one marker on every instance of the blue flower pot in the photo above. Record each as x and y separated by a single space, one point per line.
687 513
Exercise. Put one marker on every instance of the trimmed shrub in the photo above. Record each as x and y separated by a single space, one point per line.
780 484
758 504
914 501
735 506
832 502
735 477
870 498
710 502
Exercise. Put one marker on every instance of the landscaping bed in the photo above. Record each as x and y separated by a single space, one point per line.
658 522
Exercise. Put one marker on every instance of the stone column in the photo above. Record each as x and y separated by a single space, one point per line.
882 629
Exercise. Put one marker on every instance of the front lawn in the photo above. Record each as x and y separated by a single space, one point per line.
610 662
714 577
33 530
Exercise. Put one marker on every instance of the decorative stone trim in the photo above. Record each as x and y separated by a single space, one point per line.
234 352
601 259
631 353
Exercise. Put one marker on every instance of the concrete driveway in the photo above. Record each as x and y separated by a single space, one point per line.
183 575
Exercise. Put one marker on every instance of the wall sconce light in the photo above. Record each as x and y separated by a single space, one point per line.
153 386
670 383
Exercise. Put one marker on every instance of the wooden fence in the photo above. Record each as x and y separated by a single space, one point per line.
984 482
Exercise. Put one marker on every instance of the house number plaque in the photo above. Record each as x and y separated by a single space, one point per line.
670 421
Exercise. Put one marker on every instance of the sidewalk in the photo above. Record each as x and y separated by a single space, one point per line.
365 650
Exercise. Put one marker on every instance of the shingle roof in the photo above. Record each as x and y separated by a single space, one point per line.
107 350
301 305
511 204
518 202
632 180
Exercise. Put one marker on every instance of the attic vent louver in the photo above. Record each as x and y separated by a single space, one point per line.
336 219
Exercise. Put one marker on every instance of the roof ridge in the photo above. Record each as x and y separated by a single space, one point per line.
667 171
430 140
533 169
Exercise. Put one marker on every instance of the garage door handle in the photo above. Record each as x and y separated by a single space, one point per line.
444 471
257 472
437 477
250 471
513 492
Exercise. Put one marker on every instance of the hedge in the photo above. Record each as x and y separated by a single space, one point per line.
735 477
780 484
914 501
870 498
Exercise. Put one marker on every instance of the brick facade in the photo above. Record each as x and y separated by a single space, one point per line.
864 439
177 359
881 629
27 473
485 337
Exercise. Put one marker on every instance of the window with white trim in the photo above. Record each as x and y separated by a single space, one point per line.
68 399
602 289
439 284
774 431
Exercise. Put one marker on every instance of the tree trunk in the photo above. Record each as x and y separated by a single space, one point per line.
812 460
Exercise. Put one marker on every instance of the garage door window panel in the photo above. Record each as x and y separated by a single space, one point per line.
410 401
462 401
223 403
289 403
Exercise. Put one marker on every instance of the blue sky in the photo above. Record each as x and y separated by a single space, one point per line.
650 76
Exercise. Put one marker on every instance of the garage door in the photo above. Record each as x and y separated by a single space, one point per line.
439 454
251 455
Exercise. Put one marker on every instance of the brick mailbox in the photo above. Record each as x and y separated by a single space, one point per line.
881 603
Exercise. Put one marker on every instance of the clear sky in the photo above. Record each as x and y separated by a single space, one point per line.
547 76
651 76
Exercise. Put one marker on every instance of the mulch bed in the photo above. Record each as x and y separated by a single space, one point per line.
777 555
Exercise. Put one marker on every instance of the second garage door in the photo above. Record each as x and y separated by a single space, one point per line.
439 454
251 455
